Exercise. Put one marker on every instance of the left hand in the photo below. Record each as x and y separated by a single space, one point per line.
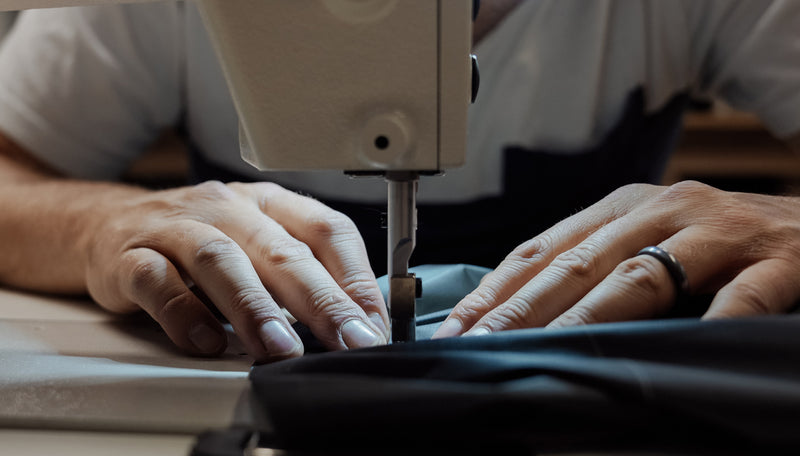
743 247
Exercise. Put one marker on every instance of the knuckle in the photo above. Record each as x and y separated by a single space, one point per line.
579 261
247 301
480 301
515 313
579 315
213 191
686 189
644 274
330 224
266 192
240 188
626 194
285 251
265 188
523 258
751 296
476 305
143 275
328 303
646 280
629 189
531 251
215 252
620 202
175 308
362 288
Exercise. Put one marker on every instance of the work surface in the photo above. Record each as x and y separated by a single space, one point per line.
76 378
69 365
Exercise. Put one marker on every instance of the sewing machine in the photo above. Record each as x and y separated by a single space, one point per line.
370 87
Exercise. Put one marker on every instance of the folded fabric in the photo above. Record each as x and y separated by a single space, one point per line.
659 385
680 385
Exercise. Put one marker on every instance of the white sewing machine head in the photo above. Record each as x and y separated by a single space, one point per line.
356 85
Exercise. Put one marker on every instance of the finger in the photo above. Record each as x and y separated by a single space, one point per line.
223 271
641 286
657 214
574 273
519 268
299 282
531 258
563 282
496 287
766 287
335 242
150 281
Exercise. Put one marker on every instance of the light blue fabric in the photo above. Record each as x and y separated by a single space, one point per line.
443 286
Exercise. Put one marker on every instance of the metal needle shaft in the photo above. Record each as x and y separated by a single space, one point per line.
402 238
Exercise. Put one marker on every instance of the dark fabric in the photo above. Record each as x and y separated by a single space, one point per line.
722 387
541 188
444 285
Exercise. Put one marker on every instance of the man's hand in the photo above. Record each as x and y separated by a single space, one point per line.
252 249
743 247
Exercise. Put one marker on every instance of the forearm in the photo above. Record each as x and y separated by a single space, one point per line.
47 223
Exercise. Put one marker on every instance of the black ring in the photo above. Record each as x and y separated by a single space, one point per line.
673 266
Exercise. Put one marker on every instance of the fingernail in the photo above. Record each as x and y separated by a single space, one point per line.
205 339
477 332
378 321
277 339
356 334
450 328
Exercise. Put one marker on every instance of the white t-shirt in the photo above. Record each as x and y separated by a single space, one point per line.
87 89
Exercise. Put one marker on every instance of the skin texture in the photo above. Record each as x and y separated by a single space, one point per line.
251 248
745 248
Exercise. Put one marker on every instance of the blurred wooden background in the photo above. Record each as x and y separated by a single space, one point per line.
733 150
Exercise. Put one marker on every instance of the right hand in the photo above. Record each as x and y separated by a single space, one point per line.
252 249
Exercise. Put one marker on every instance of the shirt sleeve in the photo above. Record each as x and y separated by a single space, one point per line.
85 90
748 53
